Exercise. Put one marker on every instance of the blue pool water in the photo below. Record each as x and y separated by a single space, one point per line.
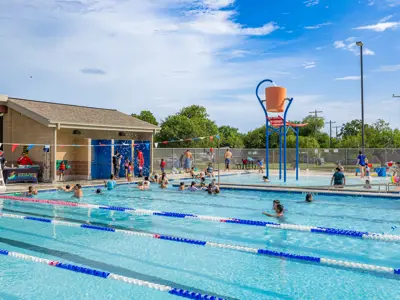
215 271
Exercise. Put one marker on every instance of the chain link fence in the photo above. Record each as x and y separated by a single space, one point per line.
312 159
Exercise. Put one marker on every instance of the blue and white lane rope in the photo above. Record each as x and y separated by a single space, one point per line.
277 254
107 275
295 227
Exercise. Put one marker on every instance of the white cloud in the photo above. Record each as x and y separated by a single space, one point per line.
379 27
350 45
371 2
309 3
318 25
367 51
385 19
393 3
339 44
349 78
320 48
389 68
309 65
217 4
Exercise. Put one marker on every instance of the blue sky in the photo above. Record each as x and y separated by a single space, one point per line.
161 55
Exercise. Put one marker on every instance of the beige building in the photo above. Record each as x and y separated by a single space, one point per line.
73 133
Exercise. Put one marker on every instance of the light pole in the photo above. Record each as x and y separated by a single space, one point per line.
360 44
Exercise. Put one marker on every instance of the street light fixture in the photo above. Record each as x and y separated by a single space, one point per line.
361 44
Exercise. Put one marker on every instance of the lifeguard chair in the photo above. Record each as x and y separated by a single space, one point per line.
275 98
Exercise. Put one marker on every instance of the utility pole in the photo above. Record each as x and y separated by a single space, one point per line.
394 96
316 112
330 132
336 127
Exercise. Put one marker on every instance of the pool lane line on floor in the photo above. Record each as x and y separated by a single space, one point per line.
290 256
364 235
106 275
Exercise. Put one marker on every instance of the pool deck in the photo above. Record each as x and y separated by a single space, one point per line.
325 190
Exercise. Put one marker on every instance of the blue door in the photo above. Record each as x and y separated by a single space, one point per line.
101 159
143 146
125 148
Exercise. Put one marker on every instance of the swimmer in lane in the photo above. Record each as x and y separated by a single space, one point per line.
278 210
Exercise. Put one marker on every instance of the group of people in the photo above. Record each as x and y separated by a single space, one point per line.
212 188
128 165
279 209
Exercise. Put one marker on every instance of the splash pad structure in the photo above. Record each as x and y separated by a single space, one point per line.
274 102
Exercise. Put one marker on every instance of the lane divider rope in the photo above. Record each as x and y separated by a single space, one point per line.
277 254
283 226
107 275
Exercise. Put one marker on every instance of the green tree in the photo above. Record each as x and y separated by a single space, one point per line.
146 116
315 126
304 142
352 128
231 137
190 122
256 139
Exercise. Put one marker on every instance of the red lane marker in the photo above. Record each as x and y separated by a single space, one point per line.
39 200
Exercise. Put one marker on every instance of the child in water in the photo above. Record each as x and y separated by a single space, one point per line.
193 187
309 198
78 191
31 191
182 186
265 179
111 184
278 208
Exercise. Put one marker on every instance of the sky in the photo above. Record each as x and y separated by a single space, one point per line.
161 55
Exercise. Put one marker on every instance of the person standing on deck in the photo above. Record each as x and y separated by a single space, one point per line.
228 157
116 163
362 161
140 161
188 161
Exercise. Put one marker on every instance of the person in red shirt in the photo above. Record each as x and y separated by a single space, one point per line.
162 165
24 160
140 160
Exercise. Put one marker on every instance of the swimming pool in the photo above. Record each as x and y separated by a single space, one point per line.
214 271
304 180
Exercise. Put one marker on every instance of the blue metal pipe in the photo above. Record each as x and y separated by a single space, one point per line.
297 153
280 153
266 126
284 138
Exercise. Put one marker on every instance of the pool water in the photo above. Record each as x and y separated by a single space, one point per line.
223 272
304 180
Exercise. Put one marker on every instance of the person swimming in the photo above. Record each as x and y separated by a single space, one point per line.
31 191
66 189
181 186
98 191
309 198
278 210
111 184
193 187
265 179
215 187
78 191
203 182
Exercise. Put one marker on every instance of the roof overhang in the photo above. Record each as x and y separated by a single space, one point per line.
59 125
101 127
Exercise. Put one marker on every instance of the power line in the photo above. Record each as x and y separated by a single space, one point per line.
316 112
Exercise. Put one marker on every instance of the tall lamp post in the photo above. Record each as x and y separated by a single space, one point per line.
360 44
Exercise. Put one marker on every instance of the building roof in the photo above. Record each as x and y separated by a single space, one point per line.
74 116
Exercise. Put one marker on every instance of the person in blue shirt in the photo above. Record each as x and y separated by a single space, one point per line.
111 183
338 179
362 162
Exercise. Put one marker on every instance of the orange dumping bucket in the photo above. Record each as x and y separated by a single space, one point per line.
275 99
